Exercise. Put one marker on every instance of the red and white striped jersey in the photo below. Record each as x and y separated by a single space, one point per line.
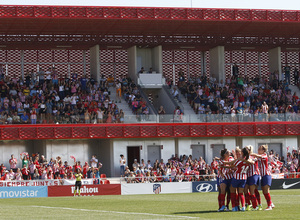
241 170
263 165
253 168
225 171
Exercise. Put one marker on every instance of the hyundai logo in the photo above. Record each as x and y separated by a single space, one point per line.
204 187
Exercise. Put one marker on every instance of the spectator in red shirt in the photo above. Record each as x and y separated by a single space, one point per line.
77 165
85 169
25 172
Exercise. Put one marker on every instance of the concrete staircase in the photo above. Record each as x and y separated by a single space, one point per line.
189 113
129 117
294 89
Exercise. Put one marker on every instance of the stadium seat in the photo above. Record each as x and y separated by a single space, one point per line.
103 176
106 182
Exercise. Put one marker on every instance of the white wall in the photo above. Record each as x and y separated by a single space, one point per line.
120 147
145 57
184 145
67 148
289 141
18 146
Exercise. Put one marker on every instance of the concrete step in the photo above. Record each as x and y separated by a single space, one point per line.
188 110
294 89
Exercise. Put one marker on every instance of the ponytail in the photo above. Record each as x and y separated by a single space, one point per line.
246 152
223 152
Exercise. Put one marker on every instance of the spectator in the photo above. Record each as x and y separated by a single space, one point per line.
36 174
13 163
18 174
235 70
24 160
135 164
110 81
121 116
11 175
16 119
32 168
141 71
33 116
24 118
287 74
94 161
175 94
122 165
25 172
161 110
178 114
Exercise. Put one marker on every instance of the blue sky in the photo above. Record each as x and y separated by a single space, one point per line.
249 4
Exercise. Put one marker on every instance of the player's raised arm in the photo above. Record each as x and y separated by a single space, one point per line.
249 161
255 155
229 162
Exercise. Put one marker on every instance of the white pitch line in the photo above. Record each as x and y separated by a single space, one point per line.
116 212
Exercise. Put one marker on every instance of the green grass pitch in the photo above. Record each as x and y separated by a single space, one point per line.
162 206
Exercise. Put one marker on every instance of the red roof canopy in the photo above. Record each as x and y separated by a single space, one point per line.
45 27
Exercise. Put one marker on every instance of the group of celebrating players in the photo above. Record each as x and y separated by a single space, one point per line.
239 175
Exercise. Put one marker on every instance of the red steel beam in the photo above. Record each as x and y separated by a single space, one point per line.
151 130
141 13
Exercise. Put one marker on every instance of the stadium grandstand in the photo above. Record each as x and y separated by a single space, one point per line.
149 84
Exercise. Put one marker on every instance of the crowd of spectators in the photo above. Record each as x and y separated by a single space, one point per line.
290 165
37 167
133 97
49 97
176 169
240 98
185 168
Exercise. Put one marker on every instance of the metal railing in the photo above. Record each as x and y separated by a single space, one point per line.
188 178
166 118
211 118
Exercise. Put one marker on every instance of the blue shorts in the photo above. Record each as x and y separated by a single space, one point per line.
238 183
218 181
253 180
226 182
266 180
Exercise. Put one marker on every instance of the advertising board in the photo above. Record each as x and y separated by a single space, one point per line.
205 186
156 188
23 192
86 190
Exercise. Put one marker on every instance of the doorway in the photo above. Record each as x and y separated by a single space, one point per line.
217 150
198 151
153 153
276 147
133 152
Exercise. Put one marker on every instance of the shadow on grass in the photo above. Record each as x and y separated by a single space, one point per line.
196 212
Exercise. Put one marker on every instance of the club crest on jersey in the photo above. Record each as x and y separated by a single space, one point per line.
156 188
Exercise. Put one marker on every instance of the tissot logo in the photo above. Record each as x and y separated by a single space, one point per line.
204 187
